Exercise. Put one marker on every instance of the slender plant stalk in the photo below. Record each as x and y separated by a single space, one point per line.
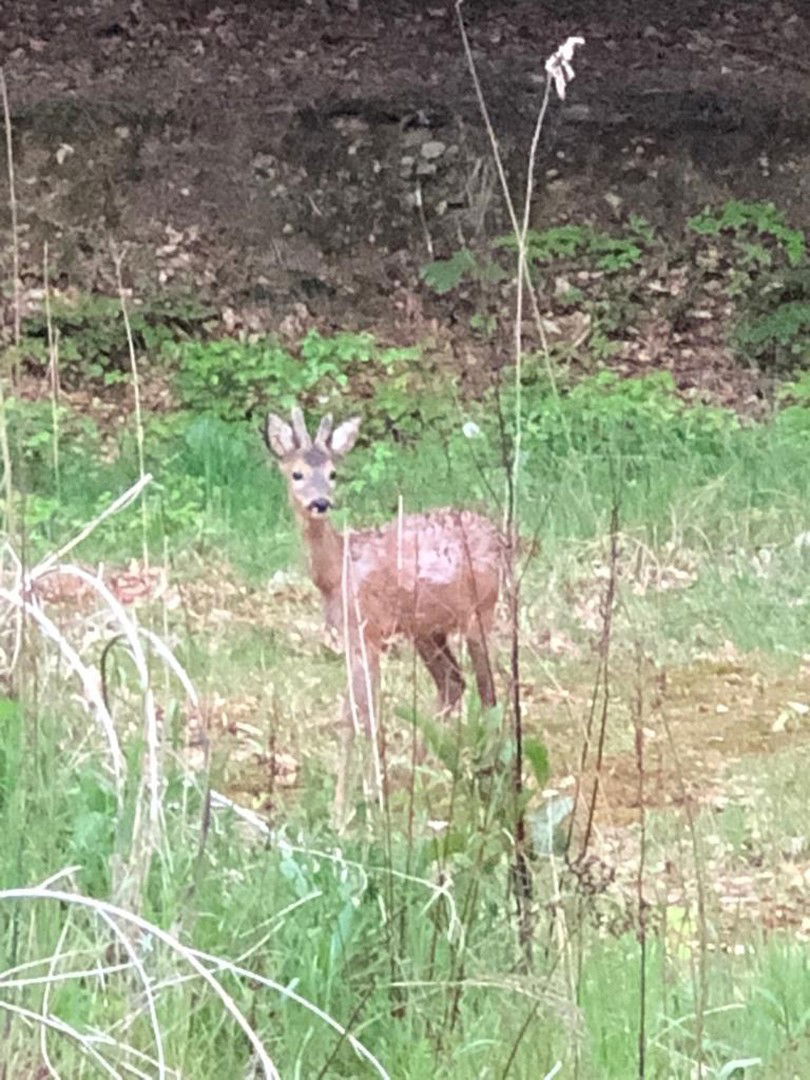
701 995
520 228
638 724
136 390
12 205
53 372
524 1027
517 229
5 451
603 677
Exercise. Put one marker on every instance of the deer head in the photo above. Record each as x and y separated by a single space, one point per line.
310 464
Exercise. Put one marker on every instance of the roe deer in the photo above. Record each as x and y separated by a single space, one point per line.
424 576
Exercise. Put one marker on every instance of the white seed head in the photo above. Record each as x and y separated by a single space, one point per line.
558 65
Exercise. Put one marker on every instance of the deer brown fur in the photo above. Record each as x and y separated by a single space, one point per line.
423 576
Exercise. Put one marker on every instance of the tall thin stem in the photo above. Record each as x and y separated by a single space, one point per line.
136 390
53 372
5 452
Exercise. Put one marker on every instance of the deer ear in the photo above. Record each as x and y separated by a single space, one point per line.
278 435
345 436
324 431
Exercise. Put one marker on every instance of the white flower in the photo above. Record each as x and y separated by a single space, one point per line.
438 826
471 430
558 65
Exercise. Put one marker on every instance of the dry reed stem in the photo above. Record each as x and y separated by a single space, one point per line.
191 956
12 205
46 996
53 371
115 507
521 873
87 676
136 390
86 1042
15 274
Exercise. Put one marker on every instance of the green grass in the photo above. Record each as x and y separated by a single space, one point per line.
359 926
363 946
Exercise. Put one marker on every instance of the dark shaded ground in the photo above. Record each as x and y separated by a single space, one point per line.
275 156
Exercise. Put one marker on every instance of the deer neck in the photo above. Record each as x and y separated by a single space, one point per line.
325 546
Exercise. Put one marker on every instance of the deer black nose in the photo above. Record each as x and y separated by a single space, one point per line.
320 506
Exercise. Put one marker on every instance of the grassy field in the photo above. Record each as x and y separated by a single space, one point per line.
677 938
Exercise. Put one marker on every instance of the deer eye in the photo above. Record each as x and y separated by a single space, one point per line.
298 476
332 474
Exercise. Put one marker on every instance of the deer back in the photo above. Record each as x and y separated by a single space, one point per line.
424 574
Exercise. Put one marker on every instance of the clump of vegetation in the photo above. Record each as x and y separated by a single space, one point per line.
758 231
582 267
770 280
582 245
234 379
89 335
774 332
629 418
444 275
585 245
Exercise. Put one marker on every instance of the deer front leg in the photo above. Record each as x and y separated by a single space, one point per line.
445 671
479 654
359 711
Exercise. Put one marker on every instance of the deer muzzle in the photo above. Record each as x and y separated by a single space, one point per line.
319 506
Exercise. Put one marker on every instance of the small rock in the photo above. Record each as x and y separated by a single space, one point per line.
577 114
613 200
425 168
432 149
412 137
264 165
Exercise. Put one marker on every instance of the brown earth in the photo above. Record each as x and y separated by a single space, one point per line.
298 162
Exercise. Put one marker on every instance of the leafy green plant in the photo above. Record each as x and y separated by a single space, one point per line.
91 334
774 330
234 379
769 280
484 324
795 391
230 378
557 242
30 430
779 339
760 221
611 254
92 830
444 275
404 408
630 417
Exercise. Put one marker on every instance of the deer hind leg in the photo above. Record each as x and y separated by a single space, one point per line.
443 667
479 655
359 711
